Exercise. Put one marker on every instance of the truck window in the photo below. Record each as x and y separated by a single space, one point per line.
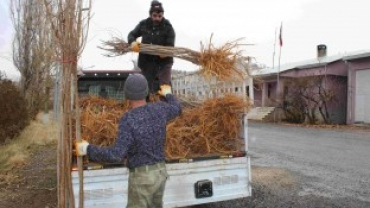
112 89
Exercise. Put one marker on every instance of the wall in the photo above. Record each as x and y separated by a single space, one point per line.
337 108
338 68
195 86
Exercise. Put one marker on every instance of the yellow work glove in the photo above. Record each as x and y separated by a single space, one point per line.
81 148
135 46
165 89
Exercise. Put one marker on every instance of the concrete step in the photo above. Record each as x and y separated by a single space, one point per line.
259 113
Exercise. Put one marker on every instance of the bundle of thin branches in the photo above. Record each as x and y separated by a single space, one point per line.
214 62
100 118
204 129
210 129
221 62
189 101
117 47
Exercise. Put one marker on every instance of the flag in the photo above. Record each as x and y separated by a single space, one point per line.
281 35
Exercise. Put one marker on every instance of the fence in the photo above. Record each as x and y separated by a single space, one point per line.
193 85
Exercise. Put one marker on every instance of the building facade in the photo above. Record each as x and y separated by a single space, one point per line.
347 77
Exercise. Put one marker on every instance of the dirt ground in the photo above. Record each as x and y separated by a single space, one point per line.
279 188
33 185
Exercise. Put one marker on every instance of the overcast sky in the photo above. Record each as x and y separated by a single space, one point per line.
342 25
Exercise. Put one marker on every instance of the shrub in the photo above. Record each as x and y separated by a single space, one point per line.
14 115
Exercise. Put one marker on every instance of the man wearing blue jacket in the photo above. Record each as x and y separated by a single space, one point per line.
141 139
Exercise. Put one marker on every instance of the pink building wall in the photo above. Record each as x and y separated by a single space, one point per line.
341 75
338 68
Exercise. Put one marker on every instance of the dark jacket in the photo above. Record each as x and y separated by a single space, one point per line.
162 34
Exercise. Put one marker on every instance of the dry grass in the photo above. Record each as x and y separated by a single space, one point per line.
15 153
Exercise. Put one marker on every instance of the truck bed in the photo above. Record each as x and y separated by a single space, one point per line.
190 182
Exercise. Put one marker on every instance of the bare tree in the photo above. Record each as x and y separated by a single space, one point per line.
69 29
22 21
309 98
49 32
32 51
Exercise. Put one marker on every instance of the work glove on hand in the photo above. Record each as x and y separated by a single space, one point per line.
81 148
165 89
135 46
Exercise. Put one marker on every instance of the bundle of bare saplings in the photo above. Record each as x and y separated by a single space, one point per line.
219 62
210 128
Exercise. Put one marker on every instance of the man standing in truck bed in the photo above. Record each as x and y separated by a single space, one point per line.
158 31
141 138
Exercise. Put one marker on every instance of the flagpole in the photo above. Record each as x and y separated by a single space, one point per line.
278 75
281 44
273 54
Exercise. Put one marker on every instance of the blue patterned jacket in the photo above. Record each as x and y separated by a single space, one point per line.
141 135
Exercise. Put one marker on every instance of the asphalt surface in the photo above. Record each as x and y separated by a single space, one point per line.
329 163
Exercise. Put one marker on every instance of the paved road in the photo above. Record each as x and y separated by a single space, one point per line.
329 163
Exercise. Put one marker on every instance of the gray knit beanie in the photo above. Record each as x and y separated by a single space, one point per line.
136 87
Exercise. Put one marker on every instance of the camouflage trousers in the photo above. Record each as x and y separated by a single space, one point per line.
146 186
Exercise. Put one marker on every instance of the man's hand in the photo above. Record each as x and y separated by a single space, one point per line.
135 46
81 148
165 89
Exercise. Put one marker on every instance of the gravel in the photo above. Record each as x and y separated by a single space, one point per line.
306 167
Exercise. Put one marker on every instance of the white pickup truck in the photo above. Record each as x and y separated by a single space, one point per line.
191 181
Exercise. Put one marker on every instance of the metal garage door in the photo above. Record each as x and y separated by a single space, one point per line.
362 108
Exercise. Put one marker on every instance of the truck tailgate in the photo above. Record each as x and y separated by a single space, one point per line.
222 179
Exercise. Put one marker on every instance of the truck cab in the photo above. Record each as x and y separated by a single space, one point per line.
107 84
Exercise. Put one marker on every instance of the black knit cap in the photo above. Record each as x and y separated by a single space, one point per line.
156 6
136 87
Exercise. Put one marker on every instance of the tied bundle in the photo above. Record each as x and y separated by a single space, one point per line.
212 128
208 128
100 118
226 63
118 47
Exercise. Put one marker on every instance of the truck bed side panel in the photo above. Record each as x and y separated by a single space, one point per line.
230 180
